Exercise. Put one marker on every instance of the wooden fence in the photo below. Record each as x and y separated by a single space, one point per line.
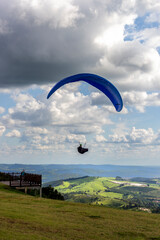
22 179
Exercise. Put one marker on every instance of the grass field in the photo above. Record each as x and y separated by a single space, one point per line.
23 217
111 192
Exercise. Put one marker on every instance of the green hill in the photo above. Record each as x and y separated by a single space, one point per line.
113 192
23 217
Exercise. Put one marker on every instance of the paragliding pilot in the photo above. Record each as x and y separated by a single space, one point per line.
81 149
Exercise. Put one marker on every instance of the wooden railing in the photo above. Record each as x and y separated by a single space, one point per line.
22 179
4 176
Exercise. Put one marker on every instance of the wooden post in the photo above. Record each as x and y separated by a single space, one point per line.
20 180
40 185
10 180
25 190
40 191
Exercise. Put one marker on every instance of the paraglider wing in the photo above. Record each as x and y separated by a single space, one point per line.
99 82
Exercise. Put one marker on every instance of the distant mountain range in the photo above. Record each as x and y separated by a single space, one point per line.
53 172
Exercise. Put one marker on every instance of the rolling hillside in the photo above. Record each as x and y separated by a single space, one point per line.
136 193
25 217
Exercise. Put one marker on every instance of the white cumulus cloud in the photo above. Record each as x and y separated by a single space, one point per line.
47 12
14 133
2 129
100 138
135 136
2 110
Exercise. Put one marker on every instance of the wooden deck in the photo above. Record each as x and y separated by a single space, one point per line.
22 180
25 180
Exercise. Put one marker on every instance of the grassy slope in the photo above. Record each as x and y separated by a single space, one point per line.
103 191
25 217
91 187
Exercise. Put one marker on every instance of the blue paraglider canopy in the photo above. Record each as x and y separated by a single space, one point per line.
99 82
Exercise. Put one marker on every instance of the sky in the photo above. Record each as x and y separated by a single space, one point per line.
44 41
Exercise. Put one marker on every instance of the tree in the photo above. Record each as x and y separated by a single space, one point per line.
50 192
119 178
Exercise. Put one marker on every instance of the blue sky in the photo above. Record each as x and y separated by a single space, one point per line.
42 42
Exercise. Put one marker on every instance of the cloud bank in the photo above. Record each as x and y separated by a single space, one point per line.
43 41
